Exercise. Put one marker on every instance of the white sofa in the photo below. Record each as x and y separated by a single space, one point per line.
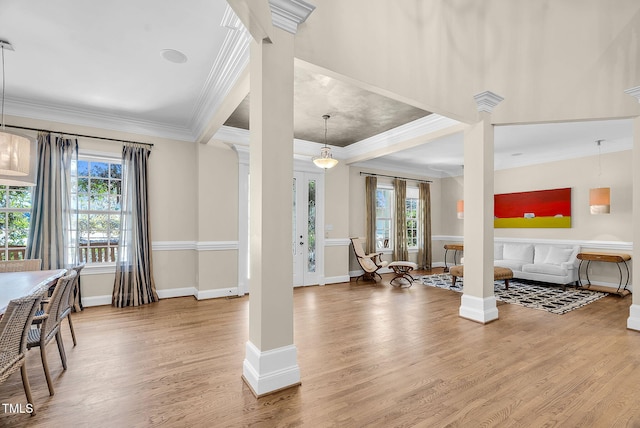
552 263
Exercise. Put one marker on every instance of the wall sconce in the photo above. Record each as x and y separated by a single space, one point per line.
460 208
600 197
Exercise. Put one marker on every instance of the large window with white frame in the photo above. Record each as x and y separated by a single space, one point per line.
15 213
385 215
99 196
412 204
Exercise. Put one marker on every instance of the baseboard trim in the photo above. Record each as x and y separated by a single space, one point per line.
216 293
270 371
96 301
176 292
633 322
336 279
482 310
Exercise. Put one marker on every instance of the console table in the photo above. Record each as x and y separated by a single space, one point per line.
620 259
455 248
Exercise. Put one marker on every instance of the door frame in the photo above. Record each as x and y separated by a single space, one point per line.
300 164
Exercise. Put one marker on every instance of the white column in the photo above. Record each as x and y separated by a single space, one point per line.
478 302
270 362
633 322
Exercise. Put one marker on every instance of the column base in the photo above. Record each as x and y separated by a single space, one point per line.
478 309
270 371
633 322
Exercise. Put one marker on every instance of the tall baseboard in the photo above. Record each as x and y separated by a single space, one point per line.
633 322
270 371
482 310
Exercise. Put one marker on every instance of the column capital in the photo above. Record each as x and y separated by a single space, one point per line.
486 101
288 14
634 92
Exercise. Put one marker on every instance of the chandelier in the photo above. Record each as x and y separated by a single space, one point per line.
325 160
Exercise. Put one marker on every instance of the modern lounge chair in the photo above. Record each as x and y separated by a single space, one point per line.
370 263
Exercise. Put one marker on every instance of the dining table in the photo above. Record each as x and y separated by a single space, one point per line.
14 285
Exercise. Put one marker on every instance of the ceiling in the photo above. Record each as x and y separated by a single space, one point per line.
68 66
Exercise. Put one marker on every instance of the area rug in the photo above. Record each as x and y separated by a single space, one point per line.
548 298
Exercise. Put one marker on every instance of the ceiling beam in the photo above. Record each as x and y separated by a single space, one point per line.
231 101
402 144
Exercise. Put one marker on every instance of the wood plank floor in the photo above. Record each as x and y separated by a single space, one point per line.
370 355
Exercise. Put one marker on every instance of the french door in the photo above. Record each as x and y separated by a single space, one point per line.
307 231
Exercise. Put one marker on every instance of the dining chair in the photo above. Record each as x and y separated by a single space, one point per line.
14 327
68 304
20 265
48 325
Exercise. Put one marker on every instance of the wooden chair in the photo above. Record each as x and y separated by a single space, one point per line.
20 265
49 325
14 328
370 263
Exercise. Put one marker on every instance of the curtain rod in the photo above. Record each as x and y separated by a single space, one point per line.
391 176
77 135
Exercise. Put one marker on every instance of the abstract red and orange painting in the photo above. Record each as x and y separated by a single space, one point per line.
539 208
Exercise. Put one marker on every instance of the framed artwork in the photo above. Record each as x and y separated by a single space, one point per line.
540 209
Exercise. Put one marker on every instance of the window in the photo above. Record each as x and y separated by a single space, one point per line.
99 190
384 217
412 218
15 212
385 214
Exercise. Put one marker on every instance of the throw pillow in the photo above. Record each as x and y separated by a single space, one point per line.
557 256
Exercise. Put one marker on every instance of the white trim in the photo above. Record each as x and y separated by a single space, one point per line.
486 101
288 14
176 292
336 279
99 269
271 370
633 322
337 242
602 245
216 245
216 293
482 310
96 301
227 68
173 245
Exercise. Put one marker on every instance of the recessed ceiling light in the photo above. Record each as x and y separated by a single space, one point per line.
173 55
516 154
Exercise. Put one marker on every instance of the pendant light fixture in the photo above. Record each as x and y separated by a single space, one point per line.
325 160
600 197
17 152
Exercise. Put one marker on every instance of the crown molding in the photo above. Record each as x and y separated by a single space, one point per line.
634 92
288 14
87 117
231 61
486 101
423 126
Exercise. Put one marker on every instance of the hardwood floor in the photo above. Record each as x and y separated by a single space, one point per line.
369 354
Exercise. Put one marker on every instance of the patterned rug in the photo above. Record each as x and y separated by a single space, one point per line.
548 298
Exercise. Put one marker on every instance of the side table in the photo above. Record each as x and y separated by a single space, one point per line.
617 258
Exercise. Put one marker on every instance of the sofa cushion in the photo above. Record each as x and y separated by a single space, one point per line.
544 268
514 265
522 252
557 256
